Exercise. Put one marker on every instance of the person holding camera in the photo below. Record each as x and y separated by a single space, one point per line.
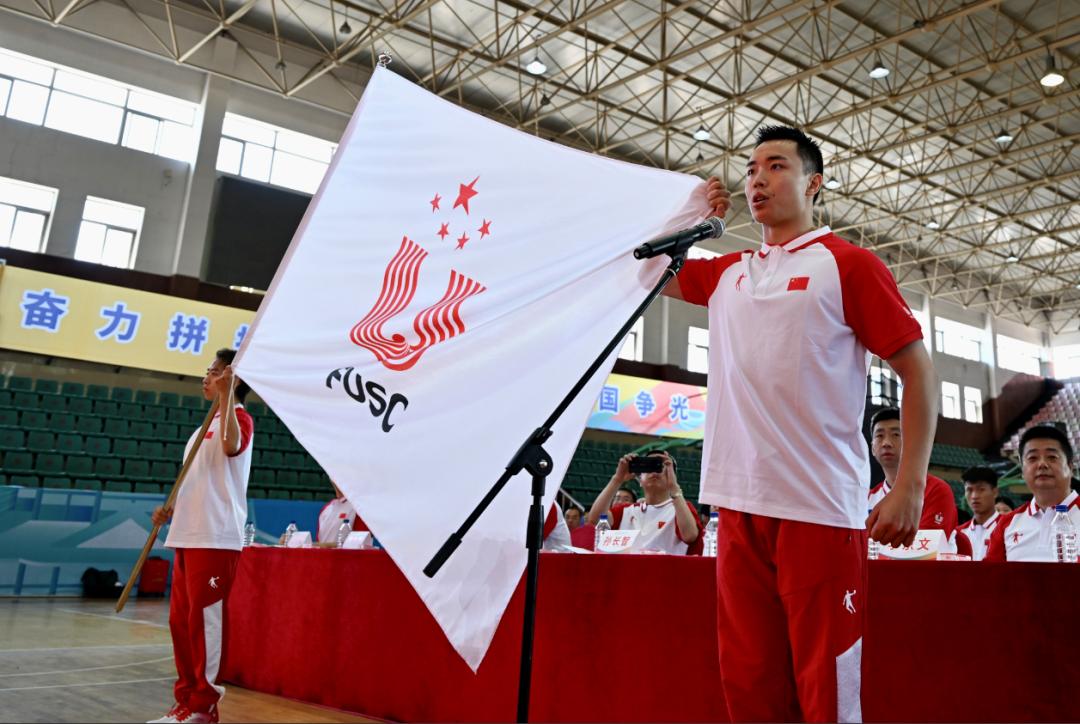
665 520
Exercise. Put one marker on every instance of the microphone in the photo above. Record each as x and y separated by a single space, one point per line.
679 241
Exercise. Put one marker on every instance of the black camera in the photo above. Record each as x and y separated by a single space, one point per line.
647 464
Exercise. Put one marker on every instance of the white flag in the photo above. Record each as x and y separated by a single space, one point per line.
451 280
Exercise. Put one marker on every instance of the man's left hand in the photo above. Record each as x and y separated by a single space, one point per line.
224 382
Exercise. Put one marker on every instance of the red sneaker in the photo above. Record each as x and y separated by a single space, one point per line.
186 716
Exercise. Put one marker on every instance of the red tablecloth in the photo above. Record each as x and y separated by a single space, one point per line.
633 639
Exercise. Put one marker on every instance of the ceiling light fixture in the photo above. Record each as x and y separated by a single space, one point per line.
1012 258
702 134
1003 136
879 71
280 65
931 224
1051 78
345 28
832 184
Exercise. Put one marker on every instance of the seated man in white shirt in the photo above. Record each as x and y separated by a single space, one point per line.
1046 460
666 521
330 517
980 491
624 496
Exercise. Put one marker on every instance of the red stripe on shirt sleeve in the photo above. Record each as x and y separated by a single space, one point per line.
699 277
873 306
995 552
938 500
247 428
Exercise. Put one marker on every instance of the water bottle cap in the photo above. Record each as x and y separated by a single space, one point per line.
714 515
603 516
1061 509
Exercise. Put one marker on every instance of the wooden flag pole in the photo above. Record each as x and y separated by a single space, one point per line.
169 502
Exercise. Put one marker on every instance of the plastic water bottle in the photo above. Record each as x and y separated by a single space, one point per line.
602 526
249 534
343 530
873 548
712 530
289 532
1062 536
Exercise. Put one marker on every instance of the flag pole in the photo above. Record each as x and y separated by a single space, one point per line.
534 459
169 503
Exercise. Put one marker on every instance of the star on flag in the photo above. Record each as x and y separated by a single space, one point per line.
485 229
465 192
462 241
444 231
435 203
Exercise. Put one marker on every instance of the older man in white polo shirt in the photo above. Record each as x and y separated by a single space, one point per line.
1024 535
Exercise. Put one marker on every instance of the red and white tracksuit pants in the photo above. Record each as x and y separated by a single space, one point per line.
201 580
791 599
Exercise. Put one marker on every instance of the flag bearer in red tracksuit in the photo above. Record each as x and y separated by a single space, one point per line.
207 534
791 329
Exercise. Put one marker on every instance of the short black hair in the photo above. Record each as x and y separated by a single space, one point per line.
628 489
809 150
1047 432
883 415
980 474
1006 500
227 356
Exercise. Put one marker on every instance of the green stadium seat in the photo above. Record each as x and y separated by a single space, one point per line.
257 409
141 429
179 416
79 465
38 441
166 431
47 387
25 400
122 394
68 443
73 389
16 461
116 427
56 481
258 493
98 446
20 383
117 486
129 410
154 413
33 420
106 408
125 448
88 425
54 403
169 399
26 481
278 494
88 484
153 488
151 450
293 461
287 479
62 422
164 472
302 495
97 392
271 459
174 451
6 397
80 405
146 397
108 467
192 402
134 469
12 438
263 477
9 418
312 479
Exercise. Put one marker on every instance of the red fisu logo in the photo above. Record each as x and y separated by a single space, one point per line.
437 323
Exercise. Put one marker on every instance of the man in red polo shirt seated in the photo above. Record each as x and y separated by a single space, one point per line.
1024 535
939 507
666 521
980 490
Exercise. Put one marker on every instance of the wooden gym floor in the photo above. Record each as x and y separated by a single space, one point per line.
69 660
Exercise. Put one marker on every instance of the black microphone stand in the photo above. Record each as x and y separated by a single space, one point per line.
532 458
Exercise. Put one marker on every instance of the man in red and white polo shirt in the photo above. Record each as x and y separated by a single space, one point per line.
207 534
665 520
1046 460
980 491
791 326
886 443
